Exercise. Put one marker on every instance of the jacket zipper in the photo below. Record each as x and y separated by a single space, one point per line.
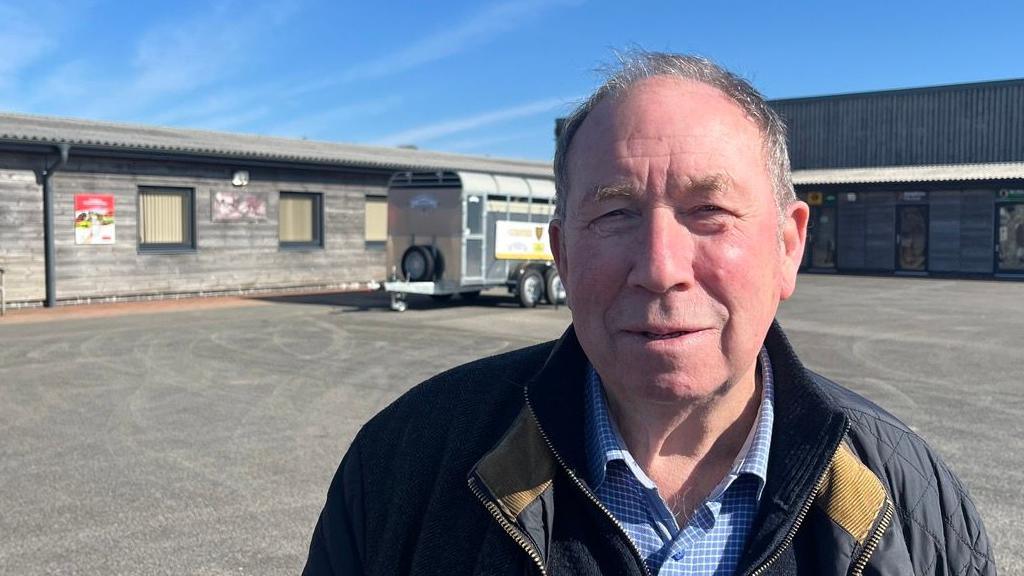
586 491
872 543
508 527
800 517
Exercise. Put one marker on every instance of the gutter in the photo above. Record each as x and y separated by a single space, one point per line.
45 177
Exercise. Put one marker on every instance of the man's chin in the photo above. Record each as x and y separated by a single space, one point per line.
673 388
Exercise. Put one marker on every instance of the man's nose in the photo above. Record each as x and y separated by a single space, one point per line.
664 257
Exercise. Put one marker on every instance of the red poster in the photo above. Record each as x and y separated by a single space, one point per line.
94 219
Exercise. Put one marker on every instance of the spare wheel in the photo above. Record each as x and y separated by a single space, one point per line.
418 264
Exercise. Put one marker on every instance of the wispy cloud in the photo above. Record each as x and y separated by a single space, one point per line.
175 66
199 109
479 28
180 56
429 132
25 37
243 120
327 121
477 144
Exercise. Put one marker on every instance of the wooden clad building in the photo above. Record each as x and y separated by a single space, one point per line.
146 212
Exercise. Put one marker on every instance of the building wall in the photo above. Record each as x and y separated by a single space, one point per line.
21 234
967 123
229 257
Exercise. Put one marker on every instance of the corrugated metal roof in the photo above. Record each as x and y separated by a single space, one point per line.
26 129
932 173
908 90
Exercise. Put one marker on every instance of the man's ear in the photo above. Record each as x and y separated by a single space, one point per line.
557 241
794 235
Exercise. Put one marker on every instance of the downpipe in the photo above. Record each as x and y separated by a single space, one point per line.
45 177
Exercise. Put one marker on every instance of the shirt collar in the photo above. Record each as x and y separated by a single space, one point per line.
604 444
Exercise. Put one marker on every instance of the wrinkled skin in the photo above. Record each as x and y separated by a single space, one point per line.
670 249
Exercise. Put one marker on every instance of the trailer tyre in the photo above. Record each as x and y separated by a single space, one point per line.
553 290
531 288
418 264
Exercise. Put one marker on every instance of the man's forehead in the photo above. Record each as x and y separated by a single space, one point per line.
690 132
704 185
668 96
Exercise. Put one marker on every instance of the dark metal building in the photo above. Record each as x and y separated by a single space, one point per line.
957 124
926 181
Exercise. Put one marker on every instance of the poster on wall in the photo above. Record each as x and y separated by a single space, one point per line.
238 206
94 219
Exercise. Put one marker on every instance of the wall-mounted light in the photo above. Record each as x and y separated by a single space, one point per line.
240 178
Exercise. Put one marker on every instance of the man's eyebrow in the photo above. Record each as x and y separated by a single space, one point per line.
708 185
609 191
711 184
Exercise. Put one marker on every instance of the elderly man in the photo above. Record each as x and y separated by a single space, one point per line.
671 429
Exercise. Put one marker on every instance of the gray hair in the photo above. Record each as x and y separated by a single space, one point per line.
638 65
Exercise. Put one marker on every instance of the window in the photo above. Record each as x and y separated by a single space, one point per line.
376 224
300 220
166 219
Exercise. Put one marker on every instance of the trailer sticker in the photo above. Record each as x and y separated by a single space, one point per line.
423 202
521 241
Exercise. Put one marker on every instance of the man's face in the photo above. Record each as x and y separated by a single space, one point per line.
669 248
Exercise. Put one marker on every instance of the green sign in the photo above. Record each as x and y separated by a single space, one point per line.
1012 194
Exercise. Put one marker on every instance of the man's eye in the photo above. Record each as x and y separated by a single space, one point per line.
613 222
709 219
612 214
708 208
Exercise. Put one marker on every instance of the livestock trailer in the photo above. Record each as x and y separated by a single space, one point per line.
463 232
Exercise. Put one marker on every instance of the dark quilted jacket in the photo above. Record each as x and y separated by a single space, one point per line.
480 471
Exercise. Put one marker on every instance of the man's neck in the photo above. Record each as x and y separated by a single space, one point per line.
688 448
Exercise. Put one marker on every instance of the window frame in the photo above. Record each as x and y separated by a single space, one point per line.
188 216
317 222
367 242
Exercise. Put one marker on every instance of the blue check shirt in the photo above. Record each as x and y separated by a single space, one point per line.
716 535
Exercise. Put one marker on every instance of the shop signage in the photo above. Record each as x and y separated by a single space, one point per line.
94 219
851 196
913 196
521 241
238 206
1014 194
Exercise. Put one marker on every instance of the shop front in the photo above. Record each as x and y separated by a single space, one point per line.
948 228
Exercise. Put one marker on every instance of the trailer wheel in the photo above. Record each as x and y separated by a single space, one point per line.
553 290
531 288
418 264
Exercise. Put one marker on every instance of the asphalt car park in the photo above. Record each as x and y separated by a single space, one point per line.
185 439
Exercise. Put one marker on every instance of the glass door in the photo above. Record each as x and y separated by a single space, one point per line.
1010 238
912 238
474 214
823 244
820 247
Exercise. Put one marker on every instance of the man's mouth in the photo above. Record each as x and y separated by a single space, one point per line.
663 336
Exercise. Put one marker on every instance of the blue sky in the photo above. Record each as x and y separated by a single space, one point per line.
485 78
